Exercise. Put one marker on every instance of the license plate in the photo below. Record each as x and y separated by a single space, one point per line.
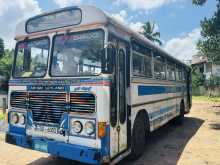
41 146
45 129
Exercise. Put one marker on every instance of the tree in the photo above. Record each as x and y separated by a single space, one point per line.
198 78
2 48
5 67
149 32
209 44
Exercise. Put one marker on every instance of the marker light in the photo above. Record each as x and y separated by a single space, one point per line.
101 129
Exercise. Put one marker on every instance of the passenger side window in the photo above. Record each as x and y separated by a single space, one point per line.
142 60
171 71
148 66
184 75
159 67
137 65
179 75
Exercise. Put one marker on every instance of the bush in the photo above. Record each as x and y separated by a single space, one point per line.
2 116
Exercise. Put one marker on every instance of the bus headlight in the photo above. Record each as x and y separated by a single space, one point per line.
21 119
14 118
76 126
89 127
17 118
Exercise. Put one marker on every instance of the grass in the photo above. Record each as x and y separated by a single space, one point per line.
206 98
2 116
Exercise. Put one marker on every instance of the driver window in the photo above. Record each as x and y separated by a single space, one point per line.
31 59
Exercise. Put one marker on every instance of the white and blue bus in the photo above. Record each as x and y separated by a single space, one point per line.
87 88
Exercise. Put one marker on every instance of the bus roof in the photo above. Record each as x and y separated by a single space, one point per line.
92 15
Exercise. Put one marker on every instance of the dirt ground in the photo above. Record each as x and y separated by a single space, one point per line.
197 142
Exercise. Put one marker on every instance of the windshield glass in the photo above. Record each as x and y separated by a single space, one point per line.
77 54
31 58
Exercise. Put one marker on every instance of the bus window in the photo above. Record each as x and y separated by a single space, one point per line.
171 71
31 58
179 75
137 64
159 67
147 66
184 74
142 60
77 54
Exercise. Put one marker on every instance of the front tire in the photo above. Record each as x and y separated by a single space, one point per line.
138 138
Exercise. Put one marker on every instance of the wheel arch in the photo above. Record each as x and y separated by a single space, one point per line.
144 114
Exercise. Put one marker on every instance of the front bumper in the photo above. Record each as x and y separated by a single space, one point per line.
61 149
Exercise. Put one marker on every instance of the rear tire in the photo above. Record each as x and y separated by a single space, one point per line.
180 119
138 138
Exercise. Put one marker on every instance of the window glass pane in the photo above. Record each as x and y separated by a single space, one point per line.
31 58
159 67
142 60
184 74
122 106
137 65
179 73
147 66
78 54
54 20
171 71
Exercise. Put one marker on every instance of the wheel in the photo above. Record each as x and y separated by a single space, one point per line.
138 138
180 119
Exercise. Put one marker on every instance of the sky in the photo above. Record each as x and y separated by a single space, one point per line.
178 21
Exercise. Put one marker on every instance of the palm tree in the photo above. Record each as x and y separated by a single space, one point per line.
149 32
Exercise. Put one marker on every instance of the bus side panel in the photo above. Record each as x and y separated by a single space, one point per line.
161 101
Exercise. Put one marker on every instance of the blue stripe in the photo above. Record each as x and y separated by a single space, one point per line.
152 90
161 111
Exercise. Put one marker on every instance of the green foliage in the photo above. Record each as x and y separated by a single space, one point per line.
2 116
5 68
209 45
1 47
149 32
198 78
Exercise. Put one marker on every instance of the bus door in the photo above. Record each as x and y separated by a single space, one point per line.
118 131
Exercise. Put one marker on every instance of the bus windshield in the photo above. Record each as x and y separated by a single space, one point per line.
31 58
77 54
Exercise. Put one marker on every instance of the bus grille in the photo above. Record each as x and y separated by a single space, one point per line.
18 100
82 102
47 107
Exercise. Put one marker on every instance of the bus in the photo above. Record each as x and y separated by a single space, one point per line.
87 88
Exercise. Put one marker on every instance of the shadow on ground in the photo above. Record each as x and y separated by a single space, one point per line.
165 146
